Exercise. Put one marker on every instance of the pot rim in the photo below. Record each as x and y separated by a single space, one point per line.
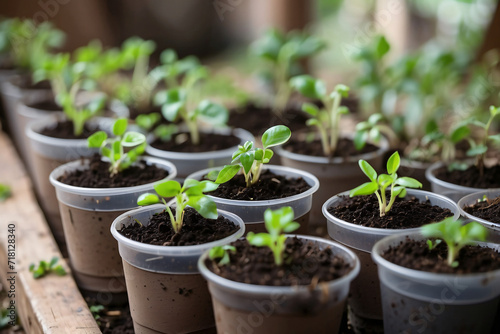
308 192
282 290
471 199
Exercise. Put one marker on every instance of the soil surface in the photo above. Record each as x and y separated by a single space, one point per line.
406 212
488 210
416 255
98 176
255 265
65 130
196 230
471 177
26 82
47 105
208 142
345 148
269 186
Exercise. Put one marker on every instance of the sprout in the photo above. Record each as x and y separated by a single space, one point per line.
5 192
45 268
379 183
455 235
222 253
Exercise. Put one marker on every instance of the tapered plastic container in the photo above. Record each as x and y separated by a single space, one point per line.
364 301
87 214
250 308
415 301
166 292
472 199
252 212
188 163
334 174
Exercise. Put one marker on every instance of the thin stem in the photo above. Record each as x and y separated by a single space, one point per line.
256 172
393 199
384 202
452 254
193 131
170 214
334 122
381 210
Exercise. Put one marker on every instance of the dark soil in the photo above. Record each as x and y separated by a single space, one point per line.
416 255
47 105
304 264
134 112
195 230
488 210
114 320
345 148
64 130
406 212
98 176
471 177
26 82
208 142
269 186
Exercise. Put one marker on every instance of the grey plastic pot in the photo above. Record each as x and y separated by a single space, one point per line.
250 308
472 199
166 292
453 191
415 301
87 214
252 212
188 163
335 175
364 301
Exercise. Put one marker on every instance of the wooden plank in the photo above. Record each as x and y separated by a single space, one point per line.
51 304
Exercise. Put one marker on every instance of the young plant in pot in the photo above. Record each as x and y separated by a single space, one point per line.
92 192
328 155
160 246
457 180
249 185
360 217
189 145
283 55
290 284
442 278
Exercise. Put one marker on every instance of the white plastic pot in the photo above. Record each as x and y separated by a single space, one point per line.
472 199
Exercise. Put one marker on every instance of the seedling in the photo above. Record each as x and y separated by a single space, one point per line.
456 235
277 222
379 183
283 53
222 253
326 120
45 268
185 103
479 149
250 159
5 192
80 114
433 244
372 130
190 194
114 148
95 310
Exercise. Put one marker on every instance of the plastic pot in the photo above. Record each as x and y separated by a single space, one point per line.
424 302
335 175
166 292
364 302
87 214
188 163
416 170
250 308
252 212
472 199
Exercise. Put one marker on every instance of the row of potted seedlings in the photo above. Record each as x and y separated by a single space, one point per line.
98 190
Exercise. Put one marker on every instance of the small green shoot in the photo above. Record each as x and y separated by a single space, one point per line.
148 121
372 130
379 183
5 192
191 193
222 253
95 310
326 120
277 222
79 115
434 244
114 148
45 268
250 159
456 235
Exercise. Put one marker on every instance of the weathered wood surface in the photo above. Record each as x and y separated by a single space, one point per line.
51 304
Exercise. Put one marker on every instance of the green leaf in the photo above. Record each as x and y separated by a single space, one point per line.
308 86
97 139
343 90
171 110
494 111
132 138
477 150
120 126
393 163
168 188
276 135
247 160
213 112
474 231
459 134
367 188
168 56
293 226
227 173
5 192
495 138
382 47
96 105
204 205
259 239
408 182
311 109
147 199
368 170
